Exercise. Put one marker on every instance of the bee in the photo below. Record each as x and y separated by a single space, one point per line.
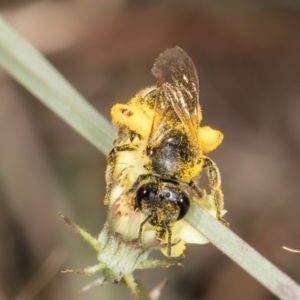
161 128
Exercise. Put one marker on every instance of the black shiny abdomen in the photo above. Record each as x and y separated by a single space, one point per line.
171 156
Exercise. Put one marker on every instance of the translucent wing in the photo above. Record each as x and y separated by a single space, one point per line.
177 98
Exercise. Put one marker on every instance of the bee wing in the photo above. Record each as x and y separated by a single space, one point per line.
177 96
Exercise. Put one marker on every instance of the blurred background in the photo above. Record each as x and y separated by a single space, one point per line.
247 54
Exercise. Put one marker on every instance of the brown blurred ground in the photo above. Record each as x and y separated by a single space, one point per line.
248 57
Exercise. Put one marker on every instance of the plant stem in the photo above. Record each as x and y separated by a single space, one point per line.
245 256
28 66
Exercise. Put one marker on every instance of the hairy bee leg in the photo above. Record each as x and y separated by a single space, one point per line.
214 178
86 236
125 147
196 189
108 174
111 159
88 271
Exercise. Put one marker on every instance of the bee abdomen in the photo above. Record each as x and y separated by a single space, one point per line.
171 158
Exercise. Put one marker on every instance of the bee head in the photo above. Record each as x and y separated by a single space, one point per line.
162 202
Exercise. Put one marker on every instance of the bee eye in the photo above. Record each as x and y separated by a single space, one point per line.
184 204
145 193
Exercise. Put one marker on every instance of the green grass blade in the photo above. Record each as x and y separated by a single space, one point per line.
37 75
245 256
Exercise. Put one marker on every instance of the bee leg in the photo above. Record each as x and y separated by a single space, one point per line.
141 230
196 189
125 147
169 239
111 159
214 178
109 180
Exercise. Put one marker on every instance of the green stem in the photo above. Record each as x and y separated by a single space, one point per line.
35 73
86 236
137 289
245 256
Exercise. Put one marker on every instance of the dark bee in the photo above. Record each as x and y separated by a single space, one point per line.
171 145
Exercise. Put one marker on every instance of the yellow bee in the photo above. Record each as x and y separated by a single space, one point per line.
159 131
